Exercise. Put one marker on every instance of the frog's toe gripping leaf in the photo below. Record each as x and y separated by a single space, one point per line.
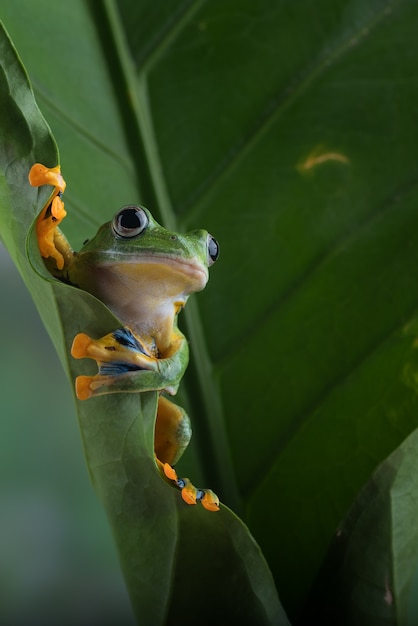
46 226
52 213
81 345
88 386
210 500
190 493
41 175
120 348
83 386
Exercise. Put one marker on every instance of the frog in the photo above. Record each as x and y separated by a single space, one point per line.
144 274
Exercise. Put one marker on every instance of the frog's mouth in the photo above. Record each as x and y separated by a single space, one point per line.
182 275
200 272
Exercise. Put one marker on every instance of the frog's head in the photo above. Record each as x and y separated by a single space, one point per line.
133 237
132 258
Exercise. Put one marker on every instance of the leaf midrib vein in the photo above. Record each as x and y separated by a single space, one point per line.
152 172
168 34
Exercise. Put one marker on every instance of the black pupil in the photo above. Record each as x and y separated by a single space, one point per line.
130 219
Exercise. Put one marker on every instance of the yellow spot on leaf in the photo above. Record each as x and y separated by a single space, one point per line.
318 157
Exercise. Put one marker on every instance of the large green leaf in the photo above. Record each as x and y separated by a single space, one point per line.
288 130
158 535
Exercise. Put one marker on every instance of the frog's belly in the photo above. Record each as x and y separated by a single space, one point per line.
145 298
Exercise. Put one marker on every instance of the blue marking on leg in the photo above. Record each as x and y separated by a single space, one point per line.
117 367
127 339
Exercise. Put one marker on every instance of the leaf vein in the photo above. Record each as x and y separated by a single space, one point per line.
70 121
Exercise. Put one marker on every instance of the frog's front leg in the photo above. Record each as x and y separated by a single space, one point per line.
127 364
172 435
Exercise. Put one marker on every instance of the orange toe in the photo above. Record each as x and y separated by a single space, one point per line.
82 387
41 175
189 492
210 500
170 472
79 349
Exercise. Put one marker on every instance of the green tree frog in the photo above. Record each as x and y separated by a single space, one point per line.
144 274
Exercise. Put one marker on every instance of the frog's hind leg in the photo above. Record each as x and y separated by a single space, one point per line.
172 435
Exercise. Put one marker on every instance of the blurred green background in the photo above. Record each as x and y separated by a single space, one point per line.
57 559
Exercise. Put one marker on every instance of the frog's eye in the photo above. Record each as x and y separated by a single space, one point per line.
130 221
213 250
